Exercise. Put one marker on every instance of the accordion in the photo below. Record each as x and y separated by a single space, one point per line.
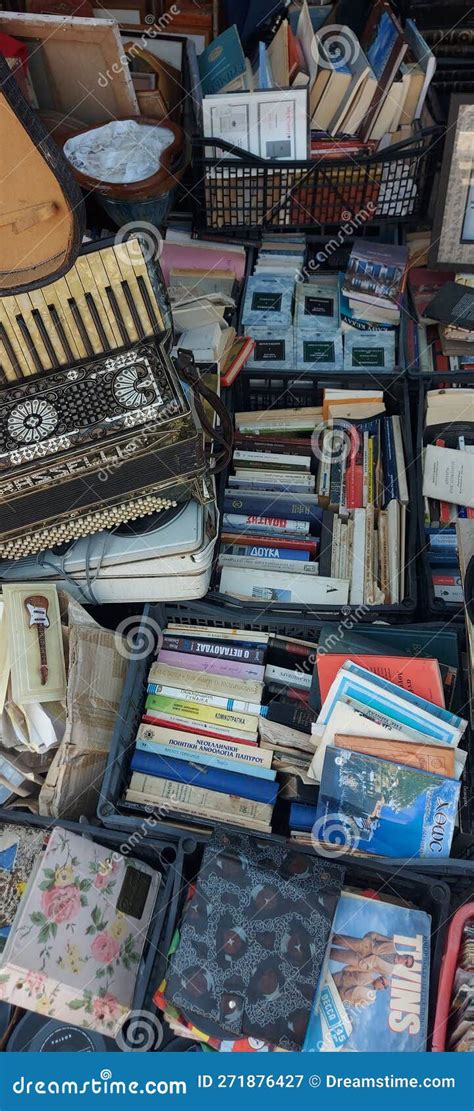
108 435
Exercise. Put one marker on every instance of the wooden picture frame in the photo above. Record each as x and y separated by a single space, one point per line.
79 68
452 241
131 12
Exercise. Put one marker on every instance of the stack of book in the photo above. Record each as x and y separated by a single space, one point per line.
423 658
449 35
226 709
448 483
371 89
315 509
440 329
387 760
306 319
377 964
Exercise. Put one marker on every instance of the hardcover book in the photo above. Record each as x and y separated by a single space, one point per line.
389 809
253 940
76 944
376 988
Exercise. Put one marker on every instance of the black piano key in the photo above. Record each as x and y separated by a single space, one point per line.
11 351
148 303
76 312
43 331
118 315
98 323
133 309
58 324
29 343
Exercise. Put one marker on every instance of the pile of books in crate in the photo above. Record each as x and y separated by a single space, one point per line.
315 507
240 727
304 319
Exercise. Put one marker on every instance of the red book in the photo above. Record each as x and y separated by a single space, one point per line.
309 545
151 719
239 353
354 485
420 676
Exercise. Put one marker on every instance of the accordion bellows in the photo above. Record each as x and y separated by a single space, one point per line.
98 441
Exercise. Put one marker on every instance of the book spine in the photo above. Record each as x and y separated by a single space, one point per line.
169 721
287 677
259 551
296 716
190 743
400 460
197 800
283 543
389 464
208 664
200 647
225 764
247 689
263 525
196 713
288 508
258 563
232 783
204 699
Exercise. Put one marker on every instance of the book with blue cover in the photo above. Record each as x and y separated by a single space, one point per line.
387 809
222 62
232 783
376 985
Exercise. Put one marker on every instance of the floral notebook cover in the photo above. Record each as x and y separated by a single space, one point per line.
75 947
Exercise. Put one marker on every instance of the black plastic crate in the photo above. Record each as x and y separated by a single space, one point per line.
430 893
415 363
244 195
192 831
263 391
165 856
436 609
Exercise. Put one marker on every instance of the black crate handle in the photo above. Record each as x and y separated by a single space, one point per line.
388 154
225 437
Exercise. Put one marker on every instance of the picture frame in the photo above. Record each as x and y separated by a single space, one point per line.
131 12
452 243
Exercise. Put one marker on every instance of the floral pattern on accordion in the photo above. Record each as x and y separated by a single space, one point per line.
73 954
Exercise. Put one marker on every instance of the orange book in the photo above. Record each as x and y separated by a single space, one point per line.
438 759
412 673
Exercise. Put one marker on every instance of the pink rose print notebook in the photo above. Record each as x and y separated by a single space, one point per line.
75 946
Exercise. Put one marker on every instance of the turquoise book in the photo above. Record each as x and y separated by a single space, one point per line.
221 62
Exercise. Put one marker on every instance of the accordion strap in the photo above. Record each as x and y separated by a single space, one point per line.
223 436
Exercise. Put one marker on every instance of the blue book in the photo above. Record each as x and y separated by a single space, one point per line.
302 817
221 62
230 783
385 808
390 479
258 550
192 757
389 1008
408 696
304 508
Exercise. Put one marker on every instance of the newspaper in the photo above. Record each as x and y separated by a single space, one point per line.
95 682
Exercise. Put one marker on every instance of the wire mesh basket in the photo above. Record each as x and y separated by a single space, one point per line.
245 194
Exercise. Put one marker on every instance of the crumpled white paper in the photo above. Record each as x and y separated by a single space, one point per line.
121 151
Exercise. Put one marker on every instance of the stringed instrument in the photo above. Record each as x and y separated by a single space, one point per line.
37 607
